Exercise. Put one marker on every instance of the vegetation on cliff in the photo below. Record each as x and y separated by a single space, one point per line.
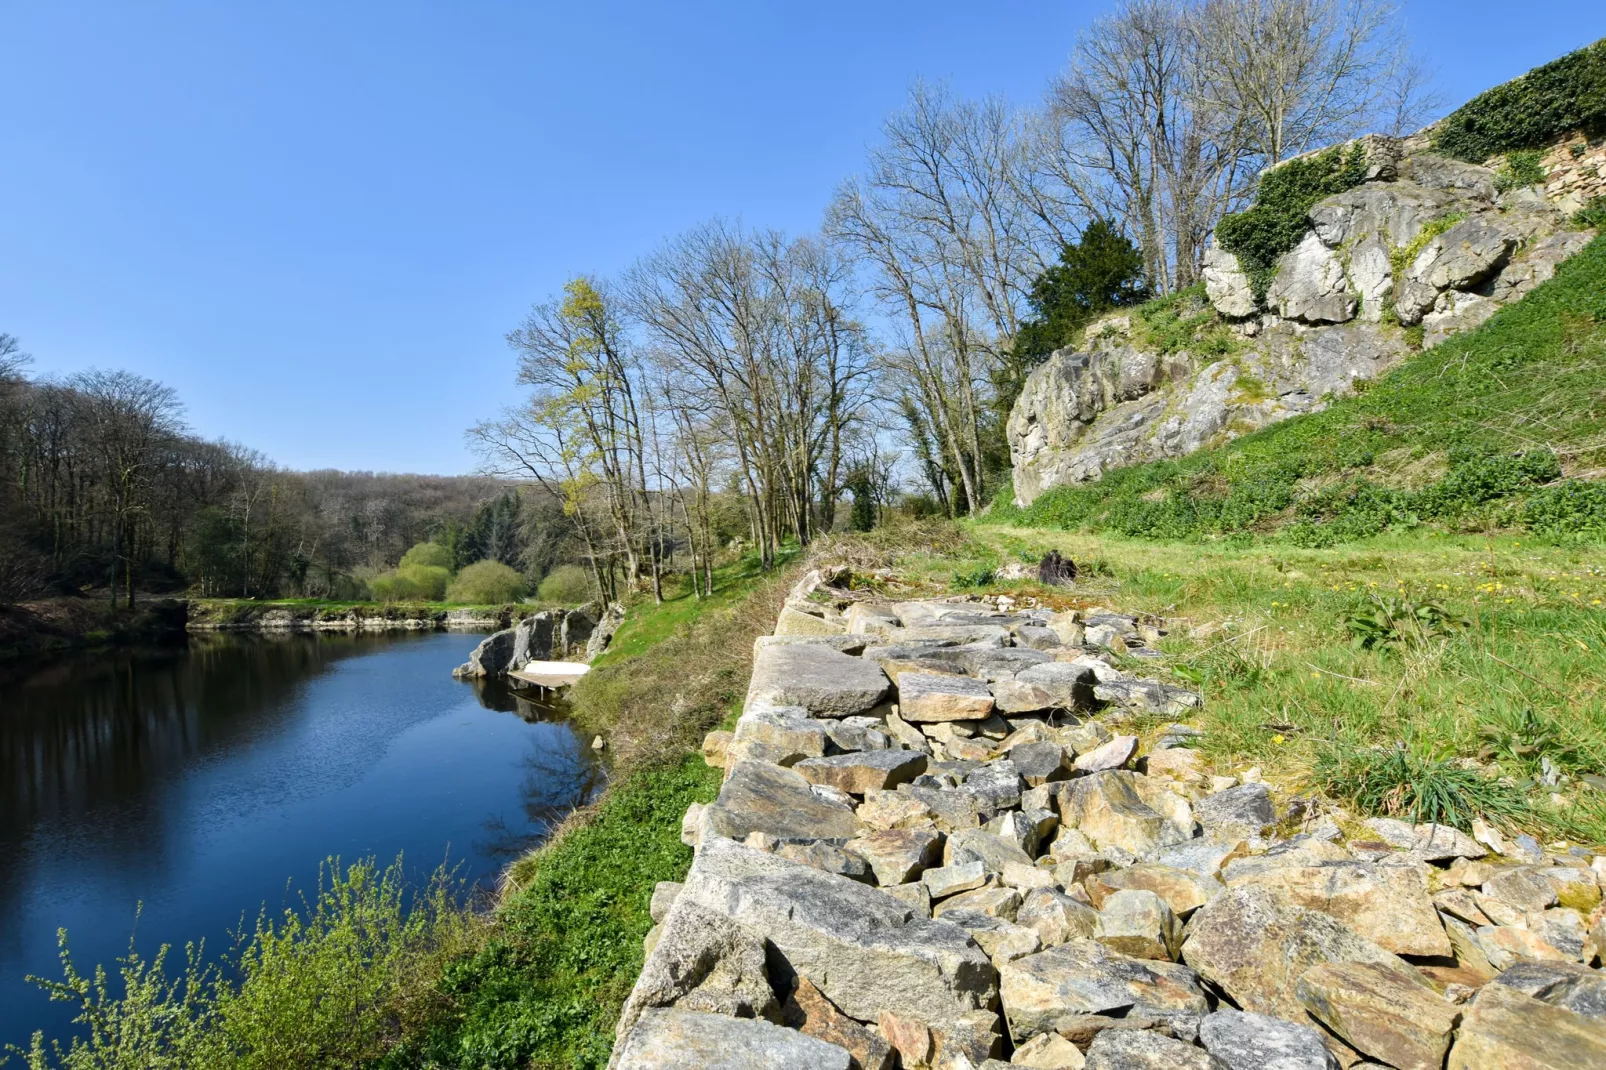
1477 434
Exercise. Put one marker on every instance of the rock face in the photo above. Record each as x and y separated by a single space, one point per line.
1333 314
981 883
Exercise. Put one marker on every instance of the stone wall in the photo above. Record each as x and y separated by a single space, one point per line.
1425 246
941 842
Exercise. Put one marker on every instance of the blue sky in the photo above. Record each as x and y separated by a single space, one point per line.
317 220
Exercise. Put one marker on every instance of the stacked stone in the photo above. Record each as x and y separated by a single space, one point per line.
936 847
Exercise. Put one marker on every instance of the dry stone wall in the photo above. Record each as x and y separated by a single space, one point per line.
940 843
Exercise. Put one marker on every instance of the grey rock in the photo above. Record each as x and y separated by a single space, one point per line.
828 858
898 856
1467 253
1236 813
784 735
1108 808
817 678
490 658
864 949
859 772
1141 1049
1569 985
760 797
1372 273
1257 1042
926 697
602 635
679 1040
1310 286
1255 946
1070 685
703 961
663 897
1081 977
1227 285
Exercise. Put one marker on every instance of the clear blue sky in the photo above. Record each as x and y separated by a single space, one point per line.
317 220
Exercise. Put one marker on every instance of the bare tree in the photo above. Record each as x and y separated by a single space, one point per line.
127 420
1301 73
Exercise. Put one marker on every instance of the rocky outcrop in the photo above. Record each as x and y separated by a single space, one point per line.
1424 242
550 635
897 874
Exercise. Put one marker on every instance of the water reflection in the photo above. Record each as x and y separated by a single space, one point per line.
199 780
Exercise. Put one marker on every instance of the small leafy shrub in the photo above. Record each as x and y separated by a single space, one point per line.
1399 622
1592 214
566 584
1522 169
427 555
979 576
485 582
1563 95
1395 782
1277 222
1572 508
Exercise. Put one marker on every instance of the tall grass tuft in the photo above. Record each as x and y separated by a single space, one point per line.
1394 781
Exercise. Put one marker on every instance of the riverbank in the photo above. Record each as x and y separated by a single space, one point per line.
307 615
57 626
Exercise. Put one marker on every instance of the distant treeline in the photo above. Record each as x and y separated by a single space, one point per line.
103 486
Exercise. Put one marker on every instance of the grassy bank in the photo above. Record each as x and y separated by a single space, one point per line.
1457 673
64 625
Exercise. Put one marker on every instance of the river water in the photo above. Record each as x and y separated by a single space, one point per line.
199 780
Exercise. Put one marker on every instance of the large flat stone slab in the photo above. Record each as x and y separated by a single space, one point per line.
1384 1014
1082 976
1255 946
678 1040
1506 1029
823 681
864 949
926 697
761 797
1387 904
857 773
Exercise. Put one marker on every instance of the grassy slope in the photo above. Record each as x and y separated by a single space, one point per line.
1410 494
1431 442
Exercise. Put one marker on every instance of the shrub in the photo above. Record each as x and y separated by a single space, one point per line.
1592 214
566 584
1277 222
485 582
334 984
415 583
1574 507
1564 95
1522 168
428 555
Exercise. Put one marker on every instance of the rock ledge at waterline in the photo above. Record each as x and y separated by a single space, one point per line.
1000 875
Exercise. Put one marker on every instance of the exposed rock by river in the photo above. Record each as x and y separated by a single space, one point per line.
205 616
940 844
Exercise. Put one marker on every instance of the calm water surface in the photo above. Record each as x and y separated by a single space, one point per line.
199 781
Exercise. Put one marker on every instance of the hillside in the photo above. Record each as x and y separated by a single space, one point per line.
1501 427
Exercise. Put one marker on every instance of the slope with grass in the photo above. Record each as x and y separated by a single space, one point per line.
1502 428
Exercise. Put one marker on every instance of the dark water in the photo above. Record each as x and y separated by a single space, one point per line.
199 781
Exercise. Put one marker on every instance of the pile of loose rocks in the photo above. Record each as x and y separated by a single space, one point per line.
936 847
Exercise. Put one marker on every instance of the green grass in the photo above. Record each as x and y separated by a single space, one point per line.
1465 437
546 989
1520 684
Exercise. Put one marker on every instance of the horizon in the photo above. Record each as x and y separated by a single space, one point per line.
317 227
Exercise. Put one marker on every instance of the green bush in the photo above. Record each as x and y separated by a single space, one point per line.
1592 214
1575 507
334 984
428 555
1523 168
485 582
566 585
411 583
1564 95
1277 222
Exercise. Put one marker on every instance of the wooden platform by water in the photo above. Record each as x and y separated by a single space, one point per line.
550 674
